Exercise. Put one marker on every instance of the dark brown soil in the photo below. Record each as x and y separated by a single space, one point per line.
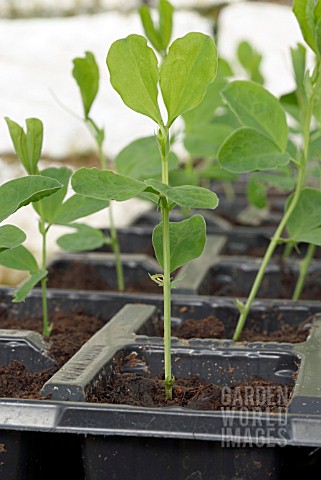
285 333
209 327
70 331
137 390
213 327
311 290
84 276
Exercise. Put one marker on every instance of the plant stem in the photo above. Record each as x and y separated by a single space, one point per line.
304 266
116 250
267 257
46 328
305 263
113 231
287 251
244 310
163 139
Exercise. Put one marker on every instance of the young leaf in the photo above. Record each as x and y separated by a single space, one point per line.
133 69
86 74
49 207
21 294
79 206
141 159
158 36
105 185
151 32
165 22
19 258
247 150
185 73
204 113
304 12
204 141
187 240
11 237
84 239
21 191
27 145
305 220
250 61
259 109
186 195
256 192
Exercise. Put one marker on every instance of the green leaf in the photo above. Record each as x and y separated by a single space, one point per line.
79 206
19 258
204 112
283 180
86 74
27 145
304 12
160 35
84 239
186 195
151 32
256 192
49 208
250 61
105 185
21 294
205 140
247 150
187 241
298 55
289 102
306 216
21 191
216 172
134 74
165 22
258 109
11 237
311 236
185 73
184 177
141 159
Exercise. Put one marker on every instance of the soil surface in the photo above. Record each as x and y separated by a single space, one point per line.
70 331
138 390
84 276
311 290
213 327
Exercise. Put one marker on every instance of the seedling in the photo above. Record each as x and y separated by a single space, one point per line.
51 211
189 67
86 74
14 195
262 144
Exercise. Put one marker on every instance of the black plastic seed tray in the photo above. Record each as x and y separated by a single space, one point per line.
118 439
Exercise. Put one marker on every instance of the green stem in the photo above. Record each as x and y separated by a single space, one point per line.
287 250
244 309
163 139
46 327
304 266
113 231
305 263
267 257
116 250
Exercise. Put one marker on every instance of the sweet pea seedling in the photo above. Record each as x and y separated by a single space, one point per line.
262 143
185 73
86 74
53 210
158 35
